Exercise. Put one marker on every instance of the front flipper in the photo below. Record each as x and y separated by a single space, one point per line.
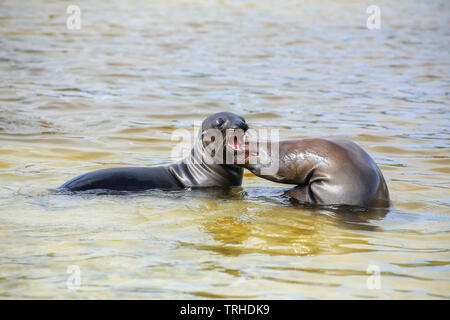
302 194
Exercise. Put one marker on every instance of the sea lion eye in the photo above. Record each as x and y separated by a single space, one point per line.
220 122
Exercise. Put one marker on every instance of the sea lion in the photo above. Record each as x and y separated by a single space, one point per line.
326 171
204 167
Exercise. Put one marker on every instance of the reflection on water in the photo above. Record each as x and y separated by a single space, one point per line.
112 94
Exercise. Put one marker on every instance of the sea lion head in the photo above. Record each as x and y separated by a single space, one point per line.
222 134
262 156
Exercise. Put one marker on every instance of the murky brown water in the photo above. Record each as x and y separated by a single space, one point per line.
112 94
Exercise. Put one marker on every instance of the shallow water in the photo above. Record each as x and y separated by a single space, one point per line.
114 92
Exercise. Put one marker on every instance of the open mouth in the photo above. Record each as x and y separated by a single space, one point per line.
235 139
235 145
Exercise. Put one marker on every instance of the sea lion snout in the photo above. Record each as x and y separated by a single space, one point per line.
259 154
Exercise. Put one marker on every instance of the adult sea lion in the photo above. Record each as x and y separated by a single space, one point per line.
199 169
326 171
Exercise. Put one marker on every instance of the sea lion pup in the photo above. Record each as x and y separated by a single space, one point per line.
221 134
326 171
